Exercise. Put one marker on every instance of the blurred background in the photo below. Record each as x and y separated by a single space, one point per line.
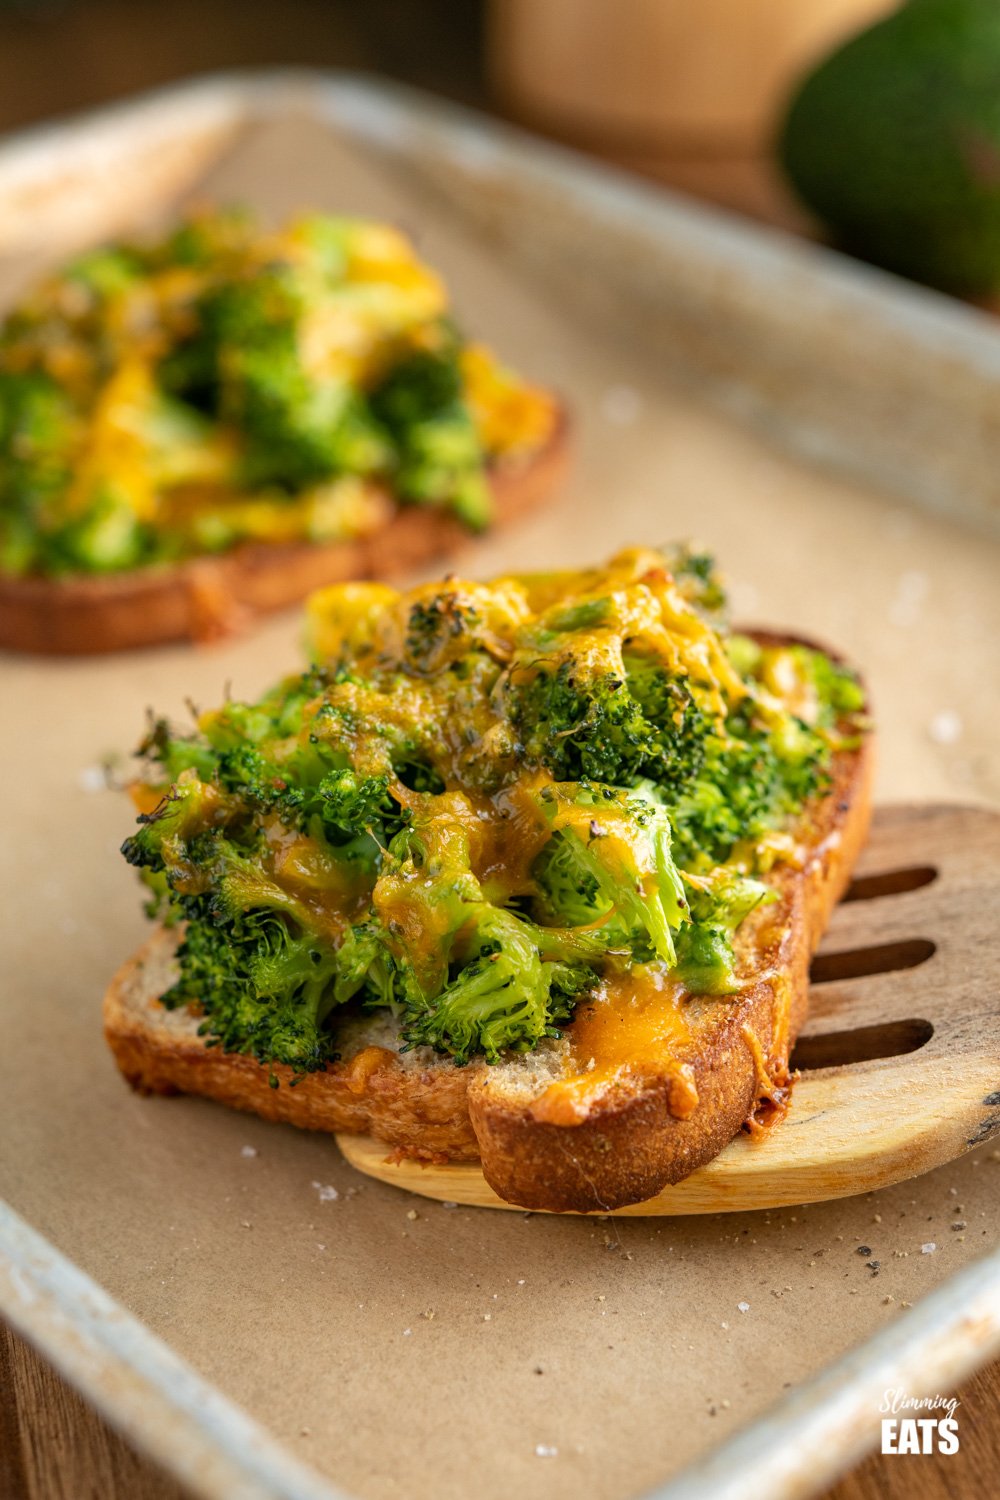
872 123
688 94
809 114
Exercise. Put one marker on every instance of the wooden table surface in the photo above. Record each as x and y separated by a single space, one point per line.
52 1447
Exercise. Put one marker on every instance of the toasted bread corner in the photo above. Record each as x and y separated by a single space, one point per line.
632 1143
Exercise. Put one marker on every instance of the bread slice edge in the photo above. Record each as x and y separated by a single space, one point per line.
207 598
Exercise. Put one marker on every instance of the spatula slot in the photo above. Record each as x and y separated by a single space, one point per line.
890 883
884 958
837 1049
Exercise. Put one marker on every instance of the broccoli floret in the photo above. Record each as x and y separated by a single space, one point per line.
39 436
106 537
613 866
503 999
493 979
439 455
418 389
265 988
190 814
581 729
299 428
268 757
350 802
497 1002
343 802
705 960
298 434
696 577
683 726
258 780
440 463
718 904
107 272
839 692
568 889
751 780
615 728
251 957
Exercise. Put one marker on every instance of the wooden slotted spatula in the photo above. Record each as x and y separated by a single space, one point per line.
900 1057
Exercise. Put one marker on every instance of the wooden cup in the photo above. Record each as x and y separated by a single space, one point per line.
670 75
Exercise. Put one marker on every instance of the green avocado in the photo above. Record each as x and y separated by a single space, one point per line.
894 143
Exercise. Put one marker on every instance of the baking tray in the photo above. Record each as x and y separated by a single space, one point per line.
228 1293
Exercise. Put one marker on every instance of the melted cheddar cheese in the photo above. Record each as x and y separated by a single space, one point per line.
231 384
509 812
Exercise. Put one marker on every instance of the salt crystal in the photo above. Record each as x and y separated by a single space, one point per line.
743 1306
326 1194
248 1151
542 1450
929 1248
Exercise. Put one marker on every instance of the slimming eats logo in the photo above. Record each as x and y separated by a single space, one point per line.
918 1424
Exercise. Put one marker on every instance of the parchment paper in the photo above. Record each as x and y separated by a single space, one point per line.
404 1348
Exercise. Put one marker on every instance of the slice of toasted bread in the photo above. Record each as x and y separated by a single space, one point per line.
208 597
613 1137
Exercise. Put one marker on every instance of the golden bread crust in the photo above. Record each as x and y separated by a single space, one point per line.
420 1110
